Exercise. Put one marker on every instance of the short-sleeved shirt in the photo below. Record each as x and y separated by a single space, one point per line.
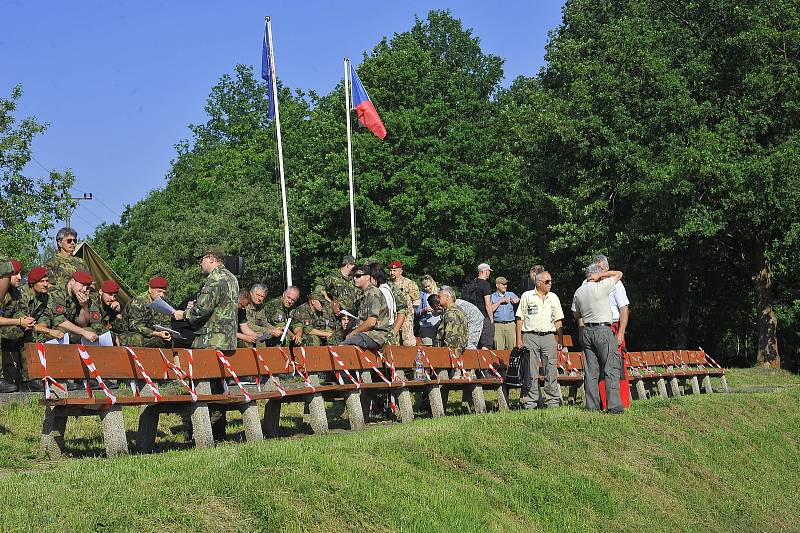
591 300
539 314
504 312
372 303
482 289
474 321
617 300
426 320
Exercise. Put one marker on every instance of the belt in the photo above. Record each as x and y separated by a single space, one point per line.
503 321
540 333
595 324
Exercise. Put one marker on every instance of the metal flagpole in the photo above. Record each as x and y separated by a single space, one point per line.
280 154
347 83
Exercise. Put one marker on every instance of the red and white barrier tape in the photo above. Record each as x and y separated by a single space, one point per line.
708 357
460 364
372 365
269 373
339 363
90 366
40 349
180 374
227 366
134 385
392 369
491 366
307 381
430 365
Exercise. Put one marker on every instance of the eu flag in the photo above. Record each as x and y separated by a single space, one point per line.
266 72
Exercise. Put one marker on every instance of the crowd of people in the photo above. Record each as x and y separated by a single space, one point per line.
356 304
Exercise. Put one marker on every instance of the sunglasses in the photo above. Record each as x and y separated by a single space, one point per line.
355 276
547 281
70 240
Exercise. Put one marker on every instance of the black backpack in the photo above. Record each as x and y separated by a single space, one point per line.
469 292
518 371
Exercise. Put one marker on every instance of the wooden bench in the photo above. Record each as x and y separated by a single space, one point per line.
676 367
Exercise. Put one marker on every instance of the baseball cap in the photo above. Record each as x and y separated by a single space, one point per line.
484 266
501 280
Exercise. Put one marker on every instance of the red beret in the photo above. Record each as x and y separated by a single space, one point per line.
110 286
395 264
81 276
16 266
36 274
158 283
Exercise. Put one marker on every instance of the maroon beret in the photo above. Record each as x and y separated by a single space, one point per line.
395 264
109 286
83 277
16 266
36 274
158 282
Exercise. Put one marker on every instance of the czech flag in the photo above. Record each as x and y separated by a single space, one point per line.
367 114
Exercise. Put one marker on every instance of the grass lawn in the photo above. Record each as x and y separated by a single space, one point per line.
721 462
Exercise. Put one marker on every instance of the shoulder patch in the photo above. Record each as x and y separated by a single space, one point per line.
95 315
59 308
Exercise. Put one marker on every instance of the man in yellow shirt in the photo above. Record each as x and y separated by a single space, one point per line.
539 319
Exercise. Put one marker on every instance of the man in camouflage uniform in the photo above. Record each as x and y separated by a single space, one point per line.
74 310
11 329
403 314
313 323
338 287
452 332
276 314
412 298
215 317
254 321
373 328
61 266
139 320
34 303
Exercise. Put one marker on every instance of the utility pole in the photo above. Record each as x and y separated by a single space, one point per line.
76 199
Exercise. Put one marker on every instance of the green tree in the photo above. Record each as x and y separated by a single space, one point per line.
29 207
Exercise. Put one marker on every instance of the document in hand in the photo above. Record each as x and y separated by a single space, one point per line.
161 306
63 340
103 340
172 332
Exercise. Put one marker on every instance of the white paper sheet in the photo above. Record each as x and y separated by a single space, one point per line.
161 306
64 340
103 340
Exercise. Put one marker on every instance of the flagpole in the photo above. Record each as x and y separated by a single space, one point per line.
347 106
274 77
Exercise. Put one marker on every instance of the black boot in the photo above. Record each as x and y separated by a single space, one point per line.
34 386
6 386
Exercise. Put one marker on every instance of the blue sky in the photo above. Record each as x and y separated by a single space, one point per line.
120 82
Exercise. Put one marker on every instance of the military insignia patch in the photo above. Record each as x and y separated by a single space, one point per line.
95 315
280 317
306 322
59 308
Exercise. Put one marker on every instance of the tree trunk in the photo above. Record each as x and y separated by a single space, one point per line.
767 326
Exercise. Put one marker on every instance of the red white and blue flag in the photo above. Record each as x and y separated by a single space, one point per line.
367 114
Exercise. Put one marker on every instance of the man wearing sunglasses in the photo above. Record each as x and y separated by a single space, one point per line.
61 266
539 320
373 327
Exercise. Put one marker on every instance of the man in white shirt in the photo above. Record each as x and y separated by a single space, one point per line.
539 319
600 350
619 304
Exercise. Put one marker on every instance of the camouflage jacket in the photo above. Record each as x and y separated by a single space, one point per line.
64 307
409 290
256 318
340 288
137 318
60 268
372 303
37 306
452 330
11 302
112 320
309 318
275 314
215 312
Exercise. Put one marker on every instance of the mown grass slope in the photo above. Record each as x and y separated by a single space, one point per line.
721 462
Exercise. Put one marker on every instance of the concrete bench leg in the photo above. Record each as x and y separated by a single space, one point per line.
201 420
251 422
502 398
355 412
148 423
724 381
435 399
707 385
695 385
318 418
675 387
365 396
114 431
477 399
53 428
404 402
272 417
641 391
662 388
444 391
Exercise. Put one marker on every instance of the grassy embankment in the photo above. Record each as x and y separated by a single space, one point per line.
714 462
